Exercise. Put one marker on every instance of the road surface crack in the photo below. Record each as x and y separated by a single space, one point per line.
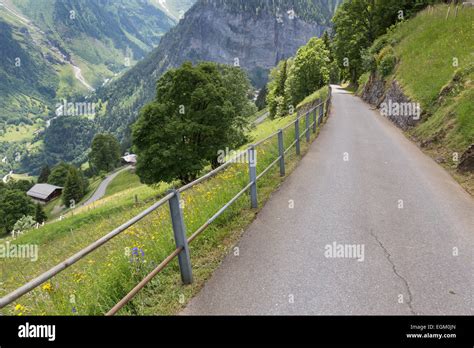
394 268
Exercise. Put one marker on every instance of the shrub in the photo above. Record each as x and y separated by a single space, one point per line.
386 61
363 79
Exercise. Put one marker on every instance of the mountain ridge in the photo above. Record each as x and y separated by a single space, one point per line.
254 35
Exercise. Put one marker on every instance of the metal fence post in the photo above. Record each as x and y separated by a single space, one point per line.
281 152
297 135
308 134
315 117
179 230
321 111
253 176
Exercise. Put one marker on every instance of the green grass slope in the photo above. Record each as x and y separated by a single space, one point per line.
96 283
435 67
102 33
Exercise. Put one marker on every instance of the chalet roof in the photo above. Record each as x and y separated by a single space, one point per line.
132 158
42 191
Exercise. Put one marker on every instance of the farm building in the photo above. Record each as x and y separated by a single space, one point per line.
44 193
130 159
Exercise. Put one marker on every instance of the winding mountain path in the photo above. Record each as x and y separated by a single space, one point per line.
62 56
102 188
413 221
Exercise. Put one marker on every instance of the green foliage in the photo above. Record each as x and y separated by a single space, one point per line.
44 174
40 215
14 204
309 71
276 98
294 79
261 101
25 223
198 111
386 61
358 23
105 152
22 185
334 71
73 187
68 138
59 174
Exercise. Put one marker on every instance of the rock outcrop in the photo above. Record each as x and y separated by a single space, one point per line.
466 163
254 35
392 102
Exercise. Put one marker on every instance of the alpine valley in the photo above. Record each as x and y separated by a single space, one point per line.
110 54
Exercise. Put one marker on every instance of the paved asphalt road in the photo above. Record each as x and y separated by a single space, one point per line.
261 118
100 191
408 265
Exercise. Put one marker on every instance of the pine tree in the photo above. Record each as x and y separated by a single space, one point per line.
73 189
40 215
261 102
44 175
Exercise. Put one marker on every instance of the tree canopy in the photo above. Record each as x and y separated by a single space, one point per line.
74 188
105 152
44 174
310 70
357 23
59 174
198 110
294 79
14 204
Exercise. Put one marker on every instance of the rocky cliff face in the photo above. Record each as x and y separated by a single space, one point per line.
252 34
256 38
392 102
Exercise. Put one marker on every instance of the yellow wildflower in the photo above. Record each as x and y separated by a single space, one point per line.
19 307
47 287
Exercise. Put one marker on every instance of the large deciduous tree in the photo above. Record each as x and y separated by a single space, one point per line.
59 174
105 152
276 98
310 70
198 110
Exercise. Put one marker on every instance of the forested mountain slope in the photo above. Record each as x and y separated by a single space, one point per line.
110 34
174 8
252 34
55 50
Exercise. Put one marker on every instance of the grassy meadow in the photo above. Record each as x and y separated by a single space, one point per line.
94 284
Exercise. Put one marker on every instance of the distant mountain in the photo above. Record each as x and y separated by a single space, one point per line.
71 46
110 34
64 49
27 80
252 34
174 8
